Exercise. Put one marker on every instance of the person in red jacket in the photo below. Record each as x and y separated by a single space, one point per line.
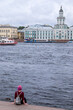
21 95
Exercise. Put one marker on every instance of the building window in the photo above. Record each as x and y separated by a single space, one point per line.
8 30
43 33
8 35
62 26
68 37
37 32
46 33
40 33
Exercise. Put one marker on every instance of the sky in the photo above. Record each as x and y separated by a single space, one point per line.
31 12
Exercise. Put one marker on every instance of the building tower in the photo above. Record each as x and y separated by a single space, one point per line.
60 19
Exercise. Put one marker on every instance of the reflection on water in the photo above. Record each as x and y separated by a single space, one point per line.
45 72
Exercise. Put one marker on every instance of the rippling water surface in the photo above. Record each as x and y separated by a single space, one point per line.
45 71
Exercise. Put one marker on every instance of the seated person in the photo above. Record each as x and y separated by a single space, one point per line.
21 96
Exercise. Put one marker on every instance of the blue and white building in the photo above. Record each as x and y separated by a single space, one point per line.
60 31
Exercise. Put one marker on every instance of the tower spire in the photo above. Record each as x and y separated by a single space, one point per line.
61 7
60 19
61 10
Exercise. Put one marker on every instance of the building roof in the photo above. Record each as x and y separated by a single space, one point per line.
71 27
7 26
39 26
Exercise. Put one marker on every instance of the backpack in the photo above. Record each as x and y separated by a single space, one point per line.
18 100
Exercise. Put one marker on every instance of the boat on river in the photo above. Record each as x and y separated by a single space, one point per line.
30 40
6 41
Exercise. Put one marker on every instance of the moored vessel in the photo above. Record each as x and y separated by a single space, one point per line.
6 41
46 41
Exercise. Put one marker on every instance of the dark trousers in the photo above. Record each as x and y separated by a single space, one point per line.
24 100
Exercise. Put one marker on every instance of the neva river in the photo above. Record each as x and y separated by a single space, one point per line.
45 71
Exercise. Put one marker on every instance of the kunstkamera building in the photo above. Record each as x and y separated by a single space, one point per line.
46 33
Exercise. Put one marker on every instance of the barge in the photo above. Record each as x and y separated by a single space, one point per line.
46 41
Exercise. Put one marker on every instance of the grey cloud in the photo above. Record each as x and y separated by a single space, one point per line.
22 12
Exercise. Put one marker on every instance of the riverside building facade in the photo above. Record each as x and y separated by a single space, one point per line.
8 31
21 35
60 31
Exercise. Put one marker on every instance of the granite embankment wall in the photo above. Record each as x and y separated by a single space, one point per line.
11 106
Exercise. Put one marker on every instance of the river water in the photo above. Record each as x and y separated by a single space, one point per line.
45 71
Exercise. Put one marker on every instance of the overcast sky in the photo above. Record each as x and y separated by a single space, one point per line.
28 12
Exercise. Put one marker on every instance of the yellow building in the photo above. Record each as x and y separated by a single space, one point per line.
8 31
21 35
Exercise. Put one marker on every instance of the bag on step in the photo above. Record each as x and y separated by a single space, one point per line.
18 99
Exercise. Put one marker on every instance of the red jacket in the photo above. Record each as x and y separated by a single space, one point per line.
21 95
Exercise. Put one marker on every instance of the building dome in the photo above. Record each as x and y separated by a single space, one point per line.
61 9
